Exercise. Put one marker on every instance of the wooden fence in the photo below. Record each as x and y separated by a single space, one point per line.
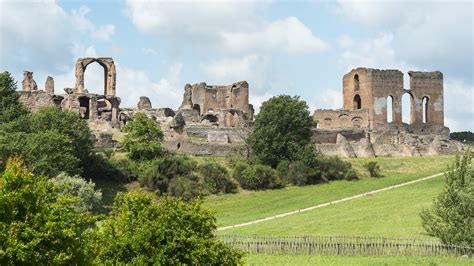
343 245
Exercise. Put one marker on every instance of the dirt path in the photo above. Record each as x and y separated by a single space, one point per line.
328 203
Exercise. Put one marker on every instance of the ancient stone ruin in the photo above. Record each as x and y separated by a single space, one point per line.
215 120
366 97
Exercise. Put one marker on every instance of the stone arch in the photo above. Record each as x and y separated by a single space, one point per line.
197 108
110 74
425 104
356 82
357 102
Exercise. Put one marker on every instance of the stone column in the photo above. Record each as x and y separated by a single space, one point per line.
93 111
49 85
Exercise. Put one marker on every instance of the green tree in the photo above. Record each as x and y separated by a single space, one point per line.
50 141
39 226
10 107
282 129
143 141
451 219
141 230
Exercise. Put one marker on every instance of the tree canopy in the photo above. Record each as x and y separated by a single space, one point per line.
451 218
282 129
49 141
38 225
143 141
141 230
10 107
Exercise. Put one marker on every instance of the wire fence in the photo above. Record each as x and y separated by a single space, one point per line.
343 245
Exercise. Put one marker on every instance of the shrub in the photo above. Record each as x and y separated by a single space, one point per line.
216 178
88 198
185 187
332 168
140 231
451 218
351 175
238 170
373 168
258 177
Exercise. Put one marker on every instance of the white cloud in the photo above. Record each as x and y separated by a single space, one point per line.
133 83
255 69
430 34
458 105
232 26
149 51
328 99
81 22
289 35
38 33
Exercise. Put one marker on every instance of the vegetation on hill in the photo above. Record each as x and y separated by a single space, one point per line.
463 136
50 141
451 218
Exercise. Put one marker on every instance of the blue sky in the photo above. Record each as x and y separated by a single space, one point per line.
293 47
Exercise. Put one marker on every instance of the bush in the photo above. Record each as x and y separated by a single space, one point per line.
333 168
185 187
259 177
351 175
373 168
140 231
451 218
88 197
216 178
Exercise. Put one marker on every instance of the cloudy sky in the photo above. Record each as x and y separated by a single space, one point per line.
292 47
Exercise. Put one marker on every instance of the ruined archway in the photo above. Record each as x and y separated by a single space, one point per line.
357 102
110 74
356 82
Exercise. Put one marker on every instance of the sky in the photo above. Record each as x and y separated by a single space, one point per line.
280 47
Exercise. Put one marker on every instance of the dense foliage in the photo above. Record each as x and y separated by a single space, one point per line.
143 141
38 225
451 218
88 198
216 178
49 141
10 107
282 129
140 231
257 176
463 136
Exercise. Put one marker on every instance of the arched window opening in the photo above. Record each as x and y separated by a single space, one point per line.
425 101
407 108
389 109
357 102
84 107
197 108
356 82
95 78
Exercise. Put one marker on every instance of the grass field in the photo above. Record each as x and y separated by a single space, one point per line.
393 213
250 205
262 259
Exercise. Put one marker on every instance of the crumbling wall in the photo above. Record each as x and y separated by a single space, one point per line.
325 118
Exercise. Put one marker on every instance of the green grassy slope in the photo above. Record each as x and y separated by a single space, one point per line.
393 213
250 205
